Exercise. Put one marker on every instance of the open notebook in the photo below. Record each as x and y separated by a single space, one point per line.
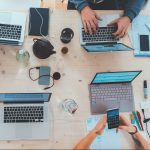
109 138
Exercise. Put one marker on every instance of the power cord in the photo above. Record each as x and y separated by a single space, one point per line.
40 77
146 121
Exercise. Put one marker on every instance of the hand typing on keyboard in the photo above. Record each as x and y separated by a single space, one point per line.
89 20
90 23
122 23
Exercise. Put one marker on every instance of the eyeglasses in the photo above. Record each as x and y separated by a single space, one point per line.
97 2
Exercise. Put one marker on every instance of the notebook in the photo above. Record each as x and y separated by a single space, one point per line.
38 21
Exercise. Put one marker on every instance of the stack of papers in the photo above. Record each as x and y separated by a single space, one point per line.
109 138
139 28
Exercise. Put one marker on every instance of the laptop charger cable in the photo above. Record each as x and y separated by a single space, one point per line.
55 76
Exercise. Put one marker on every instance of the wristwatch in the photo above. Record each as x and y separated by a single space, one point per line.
132 133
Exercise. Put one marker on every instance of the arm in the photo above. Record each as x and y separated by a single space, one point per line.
86 142
80 4
133 7
131 10
142 141
128 127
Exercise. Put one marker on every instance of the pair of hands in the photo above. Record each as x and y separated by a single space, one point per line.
124 125
90 22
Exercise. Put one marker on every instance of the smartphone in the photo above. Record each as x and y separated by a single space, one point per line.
113 118
44 75
144 42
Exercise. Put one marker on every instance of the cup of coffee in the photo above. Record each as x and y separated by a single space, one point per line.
64 50
66 35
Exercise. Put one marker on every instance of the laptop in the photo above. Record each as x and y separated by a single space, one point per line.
109 90
24 116
12 27
102 40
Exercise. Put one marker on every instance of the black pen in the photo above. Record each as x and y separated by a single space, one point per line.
145 89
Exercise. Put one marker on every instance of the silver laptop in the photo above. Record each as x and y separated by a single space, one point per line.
110 90
12 27
24 116
102 40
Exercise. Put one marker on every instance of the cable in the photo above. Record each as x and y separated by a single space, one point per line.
40 77
145 122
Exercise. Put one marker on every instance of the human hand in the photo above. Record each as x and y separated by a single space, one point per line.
100 126
122 24
89 19
126 125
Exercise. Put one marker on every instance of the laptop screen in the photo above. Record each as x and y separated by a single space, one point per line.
25 97
115 77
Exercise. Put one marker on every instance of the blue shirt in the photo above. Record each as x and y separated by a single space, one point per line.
131 7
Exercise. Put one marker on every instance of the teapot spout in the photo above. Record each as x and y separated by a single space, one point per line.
53 52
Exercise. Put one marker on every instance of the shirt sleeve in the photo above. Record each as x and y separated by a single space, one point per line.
80 4
133 7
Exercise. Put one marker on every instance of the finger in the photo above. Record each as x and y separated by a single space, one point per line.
93 26
118 32
123 120
98 17
85 27
121 35
95 22
89 27
113 22
117 130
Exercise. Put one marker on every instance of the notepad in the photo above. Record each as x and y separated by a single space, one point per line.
38 21
109 138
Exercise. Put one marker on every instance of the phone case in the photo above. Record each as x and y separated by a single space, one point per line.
44 74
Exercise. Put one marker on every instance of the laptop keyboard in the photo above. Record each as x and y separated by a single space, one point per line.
23 114
12 32
103 34
109 92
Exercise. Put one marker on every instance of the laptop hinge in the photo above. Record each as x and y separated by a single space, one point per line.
27 102
103 43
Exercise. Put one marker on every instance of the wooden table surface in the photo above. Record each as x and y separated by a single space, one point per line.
77 69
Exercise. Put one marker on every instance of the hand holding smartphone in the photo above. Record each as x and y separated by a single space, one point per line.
113 118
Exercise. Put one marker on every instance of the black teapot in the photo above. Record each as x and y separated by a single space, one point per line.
42 48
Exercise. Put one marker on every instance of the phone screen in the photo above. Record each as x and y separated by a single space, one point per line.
113 118
144 42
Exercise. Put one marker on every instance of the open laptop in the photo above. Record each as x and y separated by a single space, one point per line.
12 27
102 40
24 116
110 90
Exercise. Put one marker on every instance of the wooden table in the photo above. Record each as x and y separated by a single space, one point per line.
77 69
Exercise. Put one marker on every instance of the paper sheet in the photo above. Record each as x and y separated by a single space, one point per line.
139 28
109 138
18 5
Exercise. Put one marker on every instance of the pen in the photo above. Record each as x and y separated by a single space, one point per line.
132 119
145 89
139 117
137 120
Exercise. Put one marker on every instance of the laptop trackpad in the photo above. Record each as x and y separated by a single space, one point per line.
112 103
5 17
23 131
